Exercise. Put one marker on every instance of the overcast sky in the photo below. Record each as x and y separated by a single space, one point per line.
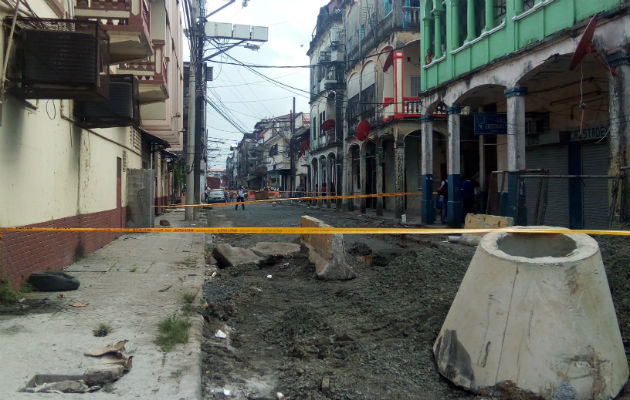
247 97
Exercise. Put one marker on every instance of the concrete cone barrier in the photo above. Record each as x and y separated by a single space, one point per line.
534 314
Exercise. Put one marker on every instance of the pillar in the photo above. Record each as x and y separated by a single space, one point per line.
427 207
363 178
348 182
470 22
399 169
518 7
514 206
379 177
437 25
454 205
483 194
489 15
339 185
619 137
454 27
329 179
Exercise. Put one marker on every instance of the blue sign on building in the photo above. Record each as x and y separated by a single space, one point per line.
490 124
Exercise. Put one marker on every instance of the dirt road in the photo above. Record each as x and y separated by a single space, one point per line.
369 338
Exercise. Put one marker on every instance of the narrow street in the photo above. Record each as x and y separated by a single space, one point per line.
367 338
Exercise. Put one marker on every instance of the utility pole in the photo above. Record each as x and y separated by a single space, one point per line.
291 152
191 131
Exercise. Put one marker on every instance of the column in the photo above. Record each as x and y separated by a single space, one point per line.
348 182
437 25
514 206
329 179
483 194
470 21
489 15
426 31
379 177
619 137
399 170
518 7
428 207
363 178
454 205
339 184
454 26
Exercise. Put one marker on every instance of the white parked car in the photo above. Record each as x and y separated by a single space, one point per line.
215 196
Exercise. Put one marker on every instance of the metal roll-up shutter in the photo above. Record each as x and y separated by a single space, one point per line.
596 161
555 159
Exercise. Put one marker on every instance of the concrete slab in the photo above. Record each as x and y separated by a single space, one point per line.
327 252
228 256
483 221
53 342
534 312
276 249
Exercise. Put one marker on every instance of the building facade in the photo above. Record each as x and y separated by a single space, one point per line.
546 140
92 93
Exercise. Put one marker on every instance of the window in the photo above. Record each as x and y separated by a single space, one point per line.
499 11
388 7
415 86
527 4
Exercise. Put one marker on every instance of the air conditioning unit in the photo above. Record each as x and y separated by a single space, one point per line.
337 55
327 84
60 59
324 56
122 108
335 36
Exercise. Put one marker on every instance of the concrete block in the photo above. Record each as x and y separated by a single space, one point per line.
326 252
276 249
534 311
228 256
483 221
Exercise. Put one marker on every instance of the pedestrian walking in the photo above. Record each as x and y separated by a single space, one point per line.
240 198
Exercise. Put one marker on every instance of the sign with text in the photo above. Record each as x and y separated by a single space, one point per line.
490 124
594 133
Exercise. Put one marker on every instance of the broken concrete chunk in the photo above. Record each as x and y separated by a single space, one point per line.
325 384
326 252
101 376
228 256
116 348
272 249
165 222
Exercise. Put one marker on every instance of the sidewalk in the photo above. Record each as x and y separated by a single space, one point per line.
131 285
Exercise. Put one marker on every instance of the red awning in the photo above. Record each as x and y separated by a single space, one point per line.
363 130
328 124
389 61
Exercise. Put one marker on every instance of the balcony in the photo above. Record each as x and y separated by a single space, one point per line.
152 75
411 17
126 21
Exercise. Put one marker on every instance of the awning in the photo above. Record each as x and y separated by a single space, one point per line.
363 130
328 124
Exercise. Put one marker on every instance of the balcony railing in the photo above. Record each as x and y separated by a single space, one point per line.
152 74
410 109
118 19
411 17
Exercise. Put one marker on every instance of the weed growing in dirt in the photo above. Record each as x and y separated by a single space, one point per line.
189 298
102 330
7 295
171 331
27 288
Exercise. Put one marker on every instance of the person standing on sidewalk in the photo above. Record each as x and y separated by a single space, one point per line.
240 198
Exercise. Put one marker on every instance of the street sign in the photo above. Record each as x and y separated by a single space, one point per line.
223 30
490 124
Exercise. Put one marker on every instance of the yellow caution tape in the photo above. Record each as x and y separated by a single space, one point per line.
233 203
322 231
